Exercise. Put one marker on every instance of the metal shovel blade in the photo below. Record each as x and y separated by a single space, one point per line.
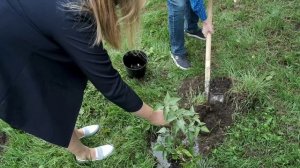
216 98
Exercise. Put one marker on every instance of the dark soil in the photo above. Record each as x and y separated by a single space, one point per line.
175 164
217 116
3 140
151 136
220 85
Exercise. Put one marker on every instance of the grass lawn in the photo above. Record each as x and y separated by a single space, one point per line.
256 43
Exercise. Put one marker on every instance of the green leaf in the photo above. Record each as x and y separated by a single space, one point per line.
188 113
179 152
187 153
192 127
171 118
192 109
160 139
191 137
165 154
159 107
197 131
198 121
158 147
202 123
174 109
181 125
163 130
196 118
176 129
167 99
204 129
180 112
174 100
169 141
166 111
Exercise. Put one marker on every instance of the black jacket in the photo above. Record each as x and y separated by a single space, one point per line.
46 58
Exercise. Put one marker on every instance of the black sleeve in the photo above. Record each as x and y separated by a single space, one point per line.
75 34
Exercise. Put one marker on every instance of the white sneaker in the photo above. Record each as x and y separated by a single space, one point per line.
89 130
102 152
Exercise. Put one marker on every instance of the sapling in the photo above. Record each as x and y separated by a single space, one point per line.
178 139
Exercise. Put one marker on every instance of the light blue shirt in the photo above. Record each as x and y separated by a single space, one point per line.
199 8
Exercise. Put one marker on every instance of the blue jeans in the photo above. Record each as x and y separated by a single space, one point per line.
181 18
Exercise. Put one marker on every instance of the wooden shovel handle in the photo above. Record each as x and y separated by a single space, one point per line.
208 51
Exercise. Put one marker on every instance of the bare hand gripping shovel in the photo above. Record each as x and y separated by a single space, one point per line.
212 98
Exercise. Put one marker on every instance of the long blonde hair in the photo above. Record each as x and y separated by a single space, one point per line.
110 16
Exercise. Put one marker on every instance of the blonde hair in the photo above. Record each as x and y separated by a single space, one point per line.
110 16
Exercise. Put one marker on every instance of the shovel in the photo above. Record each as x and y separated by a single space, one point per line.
212 98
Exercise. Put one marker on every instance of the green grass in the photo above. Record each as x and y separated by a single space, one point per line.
256 44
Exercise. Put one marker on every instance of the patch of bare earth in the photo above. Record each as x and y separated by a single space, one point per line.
217 116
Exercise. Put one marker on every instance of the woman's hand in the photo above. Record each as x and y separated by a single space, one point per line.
154 117
207 28
157 118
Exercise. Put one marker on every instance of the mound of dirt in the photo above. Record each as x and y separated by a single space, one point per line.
217 116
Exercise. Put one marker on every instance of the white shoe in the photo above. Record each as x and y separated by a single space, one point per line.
89 130
102 152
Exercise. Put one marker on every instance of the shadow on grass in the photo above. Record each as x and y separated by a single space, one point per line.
3 140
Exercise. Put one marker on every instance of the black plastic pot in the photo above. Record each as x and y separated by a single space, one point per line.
135 62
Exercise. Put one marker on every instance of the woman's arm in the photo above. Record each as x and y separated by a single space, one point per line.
76 37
